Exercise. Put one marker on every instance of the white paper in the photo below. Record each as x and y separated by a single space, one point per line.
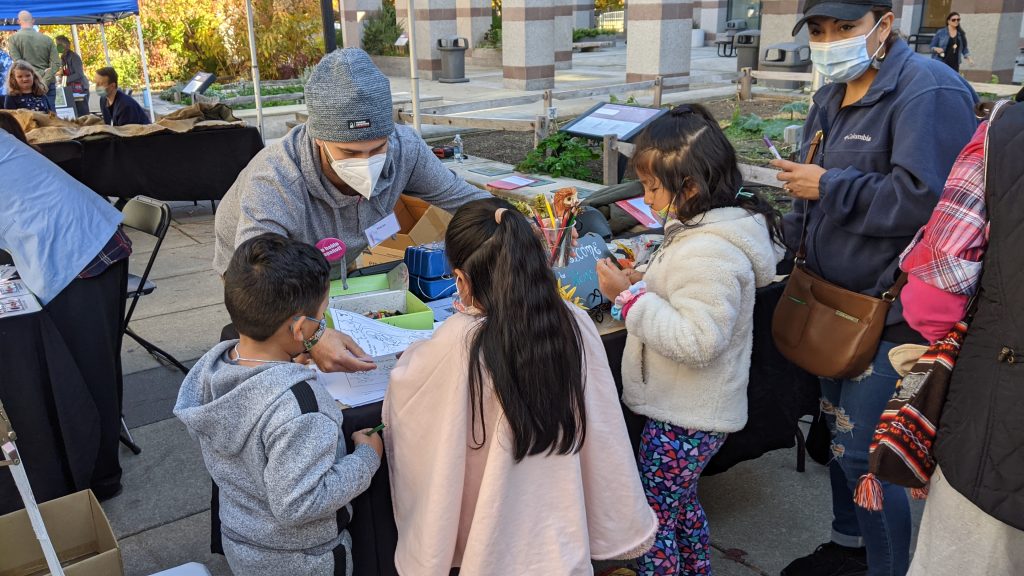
382 230
359 388
443 309
518 180
7 272
16 299
376 338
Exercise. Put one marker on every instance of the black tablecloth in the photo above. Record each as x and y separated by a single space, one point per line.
198 165
61 389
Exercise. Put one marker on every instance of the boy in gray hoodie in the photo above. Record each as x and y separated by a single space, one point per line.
270 435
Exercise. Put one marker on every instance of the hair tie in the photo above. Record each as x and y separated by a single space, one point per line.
743 193
498 213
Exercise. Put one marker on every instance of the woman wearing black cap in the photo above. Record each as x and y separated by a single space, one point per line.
872 184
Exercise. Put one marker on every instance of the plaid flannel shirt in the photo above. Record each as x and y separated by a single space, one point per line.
117 248
947 251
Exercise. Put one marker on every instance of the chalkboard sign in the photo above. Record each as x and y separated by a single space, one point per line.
578 280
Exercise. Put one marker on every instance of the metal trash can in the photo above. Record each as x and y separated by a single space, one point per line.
786 57
737 24
453 59
747 45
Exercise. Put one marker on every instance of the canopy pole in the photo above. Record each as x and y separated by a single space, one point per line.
255 67
103 35
74 37
414 79
145 69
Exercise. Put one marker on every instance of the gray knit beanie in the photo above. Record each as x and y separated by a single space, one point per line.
348 99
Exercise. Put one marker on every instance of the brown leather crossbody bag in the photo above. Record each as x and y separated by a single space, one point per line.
823 328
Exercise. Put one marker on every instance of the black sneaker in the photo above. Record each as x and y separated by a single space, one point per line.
830 559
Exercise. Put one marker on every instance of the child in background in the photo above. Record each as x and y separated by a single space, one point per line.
270 435
689 319
506 443
25 89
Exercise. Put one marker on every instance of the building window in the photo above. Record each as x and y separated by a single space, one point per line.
749 10
934 14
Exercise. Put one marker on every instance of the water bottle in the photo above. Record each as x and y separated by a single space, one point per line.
458 148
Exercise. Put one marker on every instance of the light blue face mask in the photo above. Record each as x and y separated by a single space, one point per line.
844 60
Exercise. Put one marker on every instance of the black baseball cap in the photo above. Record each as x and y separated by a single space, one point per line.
839 9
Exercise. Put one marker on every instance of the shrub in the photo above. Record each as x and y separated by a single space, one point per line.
560 155
381 30
492 38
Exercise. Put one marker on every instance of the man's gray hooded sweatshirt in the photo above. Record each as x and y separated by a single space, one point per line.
284 190
282 474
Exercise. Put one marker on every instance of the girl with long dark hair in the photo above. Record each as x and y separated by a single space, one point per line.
689 320
505 438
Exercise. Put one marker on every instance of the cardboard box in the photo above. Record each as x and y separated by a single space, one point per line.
80 533
420 223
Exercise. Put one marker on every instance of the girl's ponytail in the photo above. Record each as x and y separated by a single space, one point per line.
529 342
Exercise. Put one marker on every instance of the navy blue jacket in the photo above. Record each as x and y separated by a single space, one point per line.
124 111
887 158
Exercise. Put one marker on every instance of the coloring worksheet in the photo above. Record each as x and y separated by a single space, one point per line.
376 338
359 388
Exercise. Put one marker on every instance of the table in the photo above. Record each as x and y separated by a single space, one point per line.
197 165
778 393
61 388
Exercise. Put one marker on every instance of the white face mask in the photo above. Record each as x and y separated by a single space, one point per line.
361 174
844 60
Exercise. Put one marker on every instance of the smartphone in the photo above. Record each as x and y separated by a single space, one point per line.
772 148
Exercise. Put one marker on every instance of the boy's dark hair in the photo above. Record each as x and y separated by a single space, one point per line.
110 74
687 148
270 279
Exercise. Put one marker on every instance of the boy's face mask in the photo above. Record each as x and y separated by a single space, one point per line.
844 60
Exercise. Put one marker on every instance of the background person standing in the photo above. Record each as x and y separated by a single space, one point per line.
38 50
73 71
950 43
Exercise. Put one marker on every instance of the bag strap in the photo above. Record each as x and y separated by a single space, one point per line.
812 151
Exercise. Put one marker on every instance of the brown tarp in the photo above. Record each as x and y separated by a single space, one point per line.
44 128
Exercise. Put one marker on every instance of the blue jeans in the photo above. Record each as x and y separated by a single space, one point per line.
852 408
51 95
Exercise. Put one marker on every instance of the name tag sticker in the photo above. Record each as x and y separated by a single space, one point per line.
382 230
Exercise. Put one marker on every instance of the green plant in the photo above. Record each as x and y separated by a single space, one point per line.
631 101
795 107
579 34
381 30
560 155
492 38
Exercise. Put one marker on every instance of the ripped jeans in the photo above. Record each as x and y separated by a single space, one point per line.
852 408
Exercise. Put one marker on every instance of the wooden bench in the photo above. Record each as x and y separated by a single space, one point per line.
592 46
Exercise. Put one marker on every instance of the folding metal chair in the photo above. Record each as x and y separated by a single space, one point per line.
151 217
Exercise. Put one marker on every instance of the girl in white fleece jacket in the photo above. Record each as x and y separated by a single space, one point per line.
689 318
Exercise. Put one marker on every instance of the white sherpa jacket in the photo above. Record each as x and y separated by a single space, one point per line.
689 339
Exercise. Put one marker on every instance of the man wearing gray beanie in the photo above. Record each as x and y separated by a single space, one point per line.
335 176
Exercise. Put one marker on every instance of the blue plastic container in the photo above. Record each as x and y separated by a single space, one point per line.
427 261
431 289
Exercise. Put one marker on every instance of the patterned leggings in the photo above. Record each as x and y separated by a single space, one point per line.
671 460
